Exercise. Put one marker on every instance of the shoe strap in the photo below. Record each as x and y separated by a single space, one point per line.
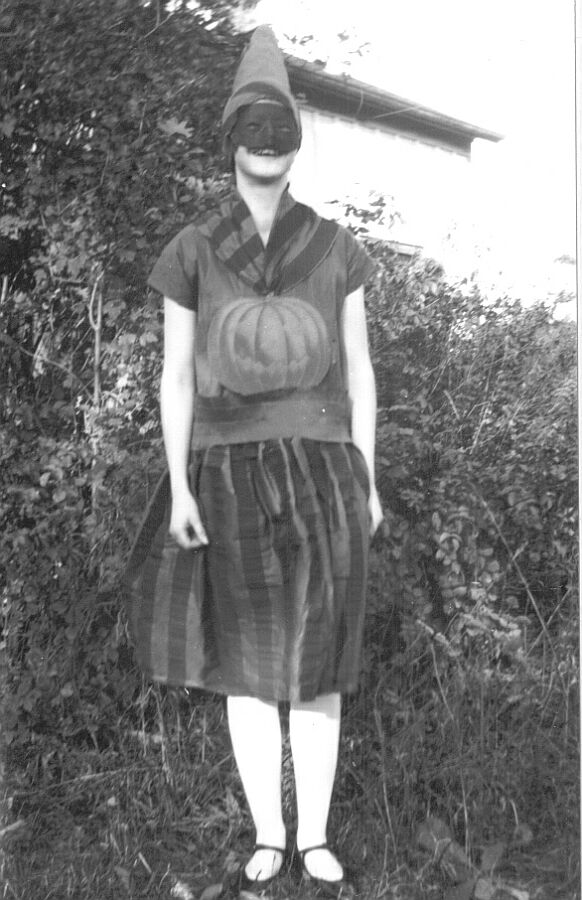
303 853
269 847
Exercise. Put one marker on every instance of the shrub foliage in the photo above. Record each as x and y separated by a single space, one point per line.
476 570
108 134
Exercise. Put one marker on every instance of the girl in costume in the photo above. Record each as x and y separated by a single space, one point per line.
248 575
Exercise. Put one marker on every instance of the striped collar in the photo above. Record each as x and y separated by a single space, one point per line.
298 243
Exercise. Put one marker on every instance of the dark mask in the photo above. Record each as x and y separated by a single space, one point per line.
266 126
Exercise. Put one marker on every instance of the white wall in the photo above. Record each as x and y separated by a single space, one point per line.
342 158
452 207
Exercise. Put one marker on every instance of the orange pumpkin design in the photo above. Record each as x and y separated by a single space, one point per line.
261 344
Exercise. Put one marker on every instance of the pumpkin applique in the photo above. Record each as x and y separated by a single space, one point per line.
260 344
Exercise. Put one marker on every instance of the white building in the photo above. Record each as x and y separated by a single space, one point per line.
360 142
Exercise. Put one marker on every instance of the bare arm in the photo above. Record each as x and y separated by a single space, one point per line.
362 390
177 401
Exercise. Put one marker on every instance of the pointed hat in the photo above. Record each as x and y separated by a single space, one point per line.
261 75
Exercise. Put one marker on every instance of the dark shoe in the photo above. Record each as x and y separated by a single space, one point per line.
257 884
341 888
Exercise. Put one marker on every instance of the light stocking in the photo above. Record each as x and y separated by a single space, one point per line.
314 728
255 731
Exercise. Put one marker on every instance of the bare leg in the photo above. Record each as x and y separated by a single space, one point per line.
314 729
255 732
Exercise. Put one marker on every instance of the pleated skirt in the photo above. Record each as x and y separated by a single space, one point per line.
274 606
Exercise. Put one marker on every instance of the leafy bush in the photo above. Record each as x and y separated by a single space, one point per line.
476 439
109 141
473 588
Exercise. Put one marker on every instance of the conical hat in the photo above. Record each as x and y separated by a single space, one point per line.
261 75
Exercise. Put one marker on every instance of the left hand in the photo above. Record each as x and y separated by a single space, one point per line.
375 510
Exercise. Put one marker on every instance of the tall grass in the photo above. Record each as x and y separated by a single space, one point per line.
488 746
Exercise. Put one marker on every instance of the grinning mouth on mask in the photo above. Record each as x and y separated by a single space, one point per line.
266 129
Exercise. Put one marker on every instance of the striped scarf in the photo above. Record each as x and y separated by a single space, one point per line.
298 243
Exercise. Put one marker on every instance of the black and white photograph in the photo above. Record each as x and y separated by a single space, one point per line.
289 450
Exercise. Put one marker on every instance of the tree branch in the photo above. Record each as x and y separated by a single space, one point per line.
516 566
9 342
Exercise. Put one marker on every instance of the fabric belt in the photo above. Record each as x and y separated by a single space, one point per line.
225 420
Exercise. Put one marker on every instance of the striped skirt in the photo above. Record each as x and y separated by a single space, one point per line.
274 606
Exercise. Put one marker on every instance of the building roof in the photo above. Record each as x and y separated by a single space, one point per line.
365 102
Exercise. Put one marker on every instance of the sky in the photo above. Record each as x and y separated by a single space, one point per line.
506 65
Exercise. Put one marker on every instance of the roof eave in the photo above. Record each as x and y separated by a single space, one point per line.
375 104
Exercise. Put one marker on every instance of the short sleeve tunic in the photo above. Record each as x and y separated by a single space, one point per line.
274 606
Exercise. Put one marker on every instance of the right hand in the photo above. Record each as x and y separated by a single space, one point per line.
185 523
